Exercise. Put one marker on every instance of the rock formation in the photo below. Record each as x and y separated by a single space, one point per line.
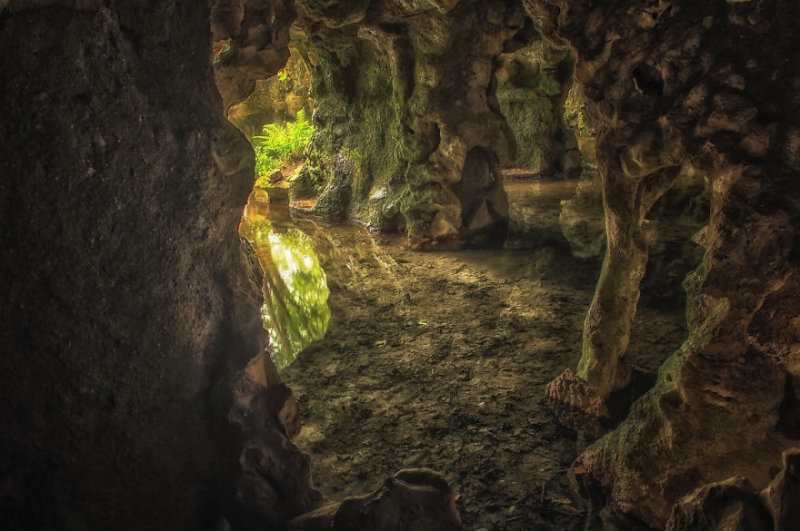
674 83
734 504
251 43
277 99
408 131
408 501
133 384
130 312
532 86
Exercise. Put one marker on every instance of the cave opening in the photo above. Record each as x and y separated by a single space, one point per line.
402 378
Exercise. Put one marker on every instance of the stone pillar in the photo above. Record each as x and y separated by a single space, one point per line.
627 197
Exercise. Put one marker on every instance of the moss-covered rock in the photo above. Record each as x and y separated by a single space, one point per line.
276 100
532 86
406 137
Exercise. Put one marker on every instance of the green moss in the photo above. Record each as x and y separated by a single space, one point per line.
362 145
528 95
576 113
416 198
668 372
529 118
549 86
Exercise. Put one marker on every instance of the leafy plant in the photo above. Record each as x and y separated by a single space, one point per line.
283 76
280 144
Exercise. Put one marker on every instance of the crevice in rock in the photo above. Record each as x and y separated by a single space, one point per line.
648 80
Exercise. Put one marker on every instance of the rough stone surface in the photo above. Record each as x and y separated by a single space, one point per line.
532 86
411 500
408 131
133 384
582 218
673 83
574 405
730 505
251 39
277 99
734 504
129 309
782 496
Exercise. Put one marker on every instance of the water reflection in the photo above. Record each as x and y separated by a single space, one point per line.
295 310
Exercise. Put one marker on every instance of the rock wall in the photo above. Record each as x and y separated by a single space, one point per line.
276 100
133 383
408 130
130 311
714 85
251 43
532 86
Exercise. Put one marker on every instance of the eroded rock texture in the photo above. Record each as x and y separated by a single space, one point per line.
251 39
129 310
277 99
714 85
532 86
411 500
734 504
727 505
408 132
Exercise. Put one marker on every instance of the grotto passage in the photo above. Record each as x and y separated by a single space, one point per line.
440 360
135 390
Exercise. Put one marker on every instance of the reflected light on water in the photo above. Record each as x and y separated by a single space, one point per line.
295 310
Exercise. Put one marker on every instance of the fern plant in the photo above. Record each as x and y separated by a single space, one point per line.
280 144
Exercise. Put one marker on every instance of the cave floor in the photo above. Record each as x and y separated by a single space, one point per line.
440 360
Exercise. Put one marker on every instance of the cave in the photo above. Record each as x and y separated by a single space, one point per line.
137 389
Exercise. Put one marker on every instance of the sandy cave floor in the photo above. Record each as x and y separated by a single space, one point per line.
440 360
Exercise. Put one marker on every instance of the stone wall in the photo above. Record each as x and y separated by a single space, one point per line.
409 134
711 85
129 308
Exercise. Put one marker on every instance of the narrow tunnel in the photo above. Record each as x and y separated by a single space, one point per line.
549 254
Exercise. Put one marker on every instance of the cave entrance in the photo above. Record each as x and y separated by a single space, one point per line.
437 359
275 118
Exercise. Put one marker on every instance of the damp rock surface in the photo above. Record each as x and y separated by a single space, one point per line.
409 134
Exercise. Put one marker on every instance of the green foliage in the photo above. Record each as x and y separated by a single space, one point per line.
280 144
283 76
